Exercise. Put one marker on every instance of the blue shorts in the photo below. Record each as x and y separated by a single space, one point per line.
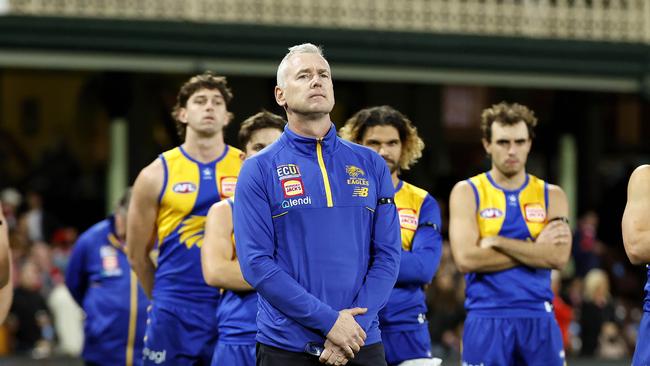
406 345
234 354
535 341
642 352
177 336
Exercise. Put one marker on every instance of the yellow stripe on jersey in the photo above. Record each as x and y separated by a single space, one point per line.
409 200
323 170
182 189
532 202
179 194
228 171
491 211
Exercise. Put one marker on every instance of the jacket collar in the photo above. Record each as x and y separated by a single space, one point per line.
307 145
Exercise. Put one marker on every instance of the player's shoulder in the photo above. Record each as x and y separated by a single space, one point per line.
641 173
152 175
234 153
97 230
463 187
414 190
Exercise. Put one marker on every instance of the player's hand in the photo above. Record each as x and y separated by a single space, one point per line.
333 354
488 242
347 333
556 233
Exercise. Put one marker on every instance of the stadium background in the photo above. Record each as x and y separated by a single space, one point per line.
86 88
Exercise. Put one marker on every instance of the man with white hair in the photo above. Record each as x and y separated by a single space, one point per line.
316 229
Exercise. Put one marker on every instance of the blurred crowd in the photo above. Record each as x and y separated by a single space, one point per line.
598 297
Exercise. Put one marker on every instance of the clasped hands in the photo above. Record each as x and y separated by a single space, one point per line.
345 339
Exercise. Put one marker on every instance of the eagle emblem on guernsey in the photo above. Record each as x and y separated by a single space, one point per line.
191 231
354 171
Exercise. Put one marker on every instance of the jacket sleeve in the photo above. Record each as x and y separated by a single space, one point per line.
418 265
76 275
254 238
384 251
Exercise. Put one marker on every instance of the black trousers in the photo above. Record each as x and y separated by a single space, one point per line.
372 355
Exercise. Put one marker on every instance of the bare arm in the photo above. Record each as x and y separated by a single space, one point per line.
636 218
464 235
5 270
141 223
552 247
217 252
6 294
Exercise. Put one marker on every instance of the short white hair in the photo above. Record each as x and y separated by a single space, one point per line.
301 48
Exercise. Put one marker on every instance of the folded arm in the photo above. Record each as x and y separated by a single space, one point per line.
464 235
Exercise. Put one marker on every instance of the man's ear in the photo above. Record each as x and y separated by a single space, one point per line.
279 96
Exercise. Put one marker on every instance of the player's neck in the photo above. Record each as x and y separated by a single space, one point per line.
394 178
309 126
508 182
205 149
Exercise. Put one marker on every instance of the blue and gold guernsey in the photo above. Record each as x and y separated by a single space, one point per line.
404 329
509 313
517 214
190 188
182 327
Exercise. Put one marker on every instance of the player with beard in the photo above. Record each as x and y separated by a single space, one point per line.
171 198
404 329
508 229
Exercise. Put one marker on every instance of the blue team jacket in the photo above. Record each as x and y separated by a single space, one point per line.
101 281
316 232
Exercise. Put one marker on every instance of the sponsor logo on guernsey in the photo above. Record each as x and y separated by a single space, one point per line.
473 364
534 212
356 176
110 262
287 171
207 174
228 186
156 357
184 187
360 192
490 213
291 202
408 219
512 200
293 188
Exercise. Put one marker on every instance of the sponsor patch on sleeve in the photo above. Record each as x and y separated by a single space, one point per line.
408 219
534 212
227 186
